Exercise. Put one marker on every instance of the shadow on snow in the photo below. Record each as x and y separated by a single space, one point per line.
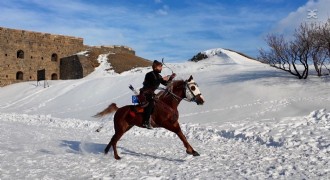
78 147
255 75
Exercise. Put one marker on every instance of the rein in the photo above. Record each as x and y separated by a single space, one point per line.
176 97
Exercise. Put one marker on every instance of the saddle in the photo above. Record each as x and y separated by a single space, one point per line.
139 106
140 101
136 109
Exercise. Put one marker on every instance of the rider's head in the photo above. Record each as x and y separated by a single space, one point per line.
157 66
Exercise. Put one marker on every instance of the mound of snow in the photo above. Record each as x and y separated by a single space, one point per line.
229 57
42 146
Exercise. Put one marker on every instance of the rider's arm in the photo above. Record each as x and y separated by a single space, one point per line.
167 79
164 80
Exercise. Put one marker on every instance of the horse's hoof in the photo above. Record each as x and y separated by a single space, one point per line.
195 153
117 157
106 151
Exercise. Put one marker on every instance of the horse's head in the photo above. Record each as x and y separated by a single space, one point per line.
187 90
192 91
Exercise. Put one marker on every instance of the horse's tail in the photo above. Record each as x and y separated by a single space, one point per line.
110 109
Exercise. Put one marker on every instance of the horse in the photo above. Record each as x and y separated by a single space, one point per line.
165 113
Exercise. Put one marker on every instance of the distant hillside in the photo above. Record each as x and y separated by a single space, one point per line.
215 52
242 54
121 62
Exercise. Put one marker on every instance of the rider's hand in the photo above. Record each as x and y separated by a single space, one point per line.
172 76
166 78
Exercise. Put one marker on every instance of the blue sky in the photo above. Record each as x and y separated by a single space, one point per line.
171 29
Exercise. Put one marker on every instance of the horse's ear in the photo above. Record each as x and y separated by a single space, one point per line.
190 78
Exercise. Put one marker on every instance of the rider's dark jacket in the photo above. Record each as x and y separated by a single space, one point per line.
152 81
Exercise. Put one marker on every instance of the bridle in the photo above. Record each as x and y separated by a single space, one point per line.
191 87
188 90
187 86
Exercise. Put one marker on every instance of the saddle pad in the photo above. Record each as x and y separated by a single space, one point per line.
136 109
135 99
139 109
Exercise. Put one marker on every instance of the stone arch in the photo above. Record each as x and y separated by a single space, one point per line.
54 76
19 75
20 54
54 57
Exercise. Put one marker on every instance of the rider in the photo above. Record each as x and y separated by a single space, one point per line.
151 82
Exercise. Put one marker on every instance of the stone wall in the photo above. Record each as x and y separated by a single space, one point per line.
113 49
71 68
23 53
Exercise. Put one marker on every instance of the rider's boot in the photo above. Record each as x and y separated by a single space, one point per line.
147 124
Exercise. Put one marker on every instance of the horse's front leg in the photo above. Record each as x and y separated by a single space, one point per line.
175 127
189 149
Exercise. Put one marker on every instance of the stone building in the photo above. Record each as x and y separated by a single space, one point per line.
23 53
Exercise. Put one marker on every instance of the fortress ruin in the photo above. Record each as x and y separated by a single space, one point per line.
23 53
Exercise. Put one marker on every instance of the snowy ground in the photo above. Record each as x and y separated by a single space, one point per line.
257 123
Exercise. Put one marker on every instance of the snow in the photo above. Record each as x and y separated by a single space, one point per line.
257 123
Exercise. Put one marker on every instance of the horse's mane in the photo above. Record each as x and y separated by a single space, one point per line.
174 83
163 94
169 87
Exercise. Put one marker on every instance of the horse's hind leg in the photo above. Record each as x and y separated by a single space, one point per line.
115 138
113 143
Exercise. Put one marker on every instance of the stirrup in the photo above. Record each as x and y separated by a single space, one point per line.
148 126
144 104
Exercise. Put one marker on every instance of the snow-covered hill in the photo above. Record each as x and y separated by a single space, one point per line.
257 122
229 57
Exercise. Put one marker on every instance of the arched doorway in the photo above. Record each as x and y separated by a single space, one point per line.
54 57
19 75
20 54
54 76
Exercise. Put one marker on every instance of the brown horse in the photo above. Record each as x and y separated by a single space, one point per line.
164 115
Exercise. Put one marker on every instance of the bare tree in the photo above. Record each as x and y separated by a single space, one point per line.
289 56
325 36
310 44
323 42
278 56
319 55
302 46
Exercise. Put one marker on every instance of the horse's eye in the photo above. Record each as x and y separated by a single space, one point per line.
193 88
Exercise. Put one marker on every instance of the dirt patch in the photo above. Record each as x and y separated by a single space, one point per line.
121 62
